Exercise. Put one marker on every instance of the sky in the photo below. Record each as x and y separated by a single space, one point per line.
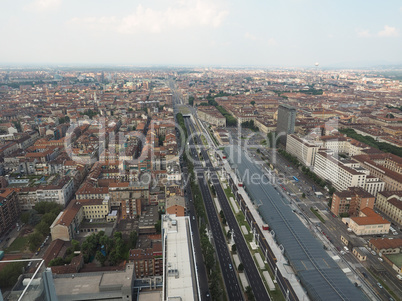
286 33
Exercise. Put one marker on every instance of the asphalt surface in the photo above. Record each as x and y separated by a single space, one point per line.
233 288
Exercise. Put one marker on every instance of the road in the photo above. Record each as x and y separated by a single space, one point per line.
251 270
233 288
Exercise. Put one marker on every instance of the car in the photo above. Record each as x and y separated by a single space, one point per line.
399 277
29 264
379 285
346 249
193 218
230 266
343 252
380 259
364 274
374 253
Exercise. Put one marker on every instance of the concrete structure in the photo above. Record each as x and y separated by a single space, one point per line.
369 223
96 286
351 201
390 202
286 121
180 279
301 149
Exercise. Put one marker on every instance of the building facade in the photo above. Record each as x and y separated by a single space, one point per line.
302 150
9 209
286 122
390 202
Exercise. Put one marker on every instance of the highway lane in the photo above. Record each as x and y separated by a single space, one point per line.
253 275
232 285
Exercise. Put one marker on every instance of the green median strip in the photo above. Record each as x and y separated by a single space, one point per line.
317 215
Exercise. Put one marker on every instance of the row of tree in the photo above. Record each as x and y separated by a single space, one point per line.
42 218
250 125
385 147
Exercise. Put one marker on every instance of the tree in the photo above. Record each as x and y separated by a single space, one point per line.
240 268
75 244
303 195
34 241
25 217
133 239
56 261
158 226
249 293
42 228
99 257
252 103
234 248
9 274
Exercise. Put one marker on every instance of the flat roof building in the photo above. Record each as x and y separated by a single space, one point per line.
180 278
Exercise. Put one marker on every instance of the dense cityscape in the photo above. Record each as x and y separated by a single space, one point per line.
196 150
200 184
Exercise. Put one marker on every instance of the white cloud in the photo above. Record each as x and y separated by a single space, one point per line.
43 5
184 14
388 31
250 36
363 33
270 41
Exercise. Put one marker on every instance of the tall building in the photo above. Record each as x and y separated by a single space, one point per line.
286 121
9 209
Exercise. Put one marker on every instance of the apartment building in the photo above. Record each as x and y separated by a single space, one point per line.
211 115
61 193
345 173
9 209
340 175
390 202
303 150
130 196
351 201
67 224
369 223
337 144
95 208
147 262
392 179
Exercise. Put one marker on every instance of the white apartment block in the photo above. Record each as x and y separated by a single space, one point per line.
345 174
336 144
61 193
303 150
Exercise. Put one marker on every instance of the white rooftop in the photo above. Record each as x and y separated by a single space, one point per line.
179 278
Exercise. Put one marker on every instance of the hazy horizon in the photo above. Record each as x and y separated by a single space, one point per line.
191 33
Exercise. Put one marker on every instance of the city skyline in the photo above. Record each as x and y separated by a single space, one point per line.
202 33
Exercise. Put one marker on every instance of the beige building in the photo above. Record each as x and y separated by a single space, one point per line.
390 202
211 115
67 224
302 150
95 208
369 223
386 246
